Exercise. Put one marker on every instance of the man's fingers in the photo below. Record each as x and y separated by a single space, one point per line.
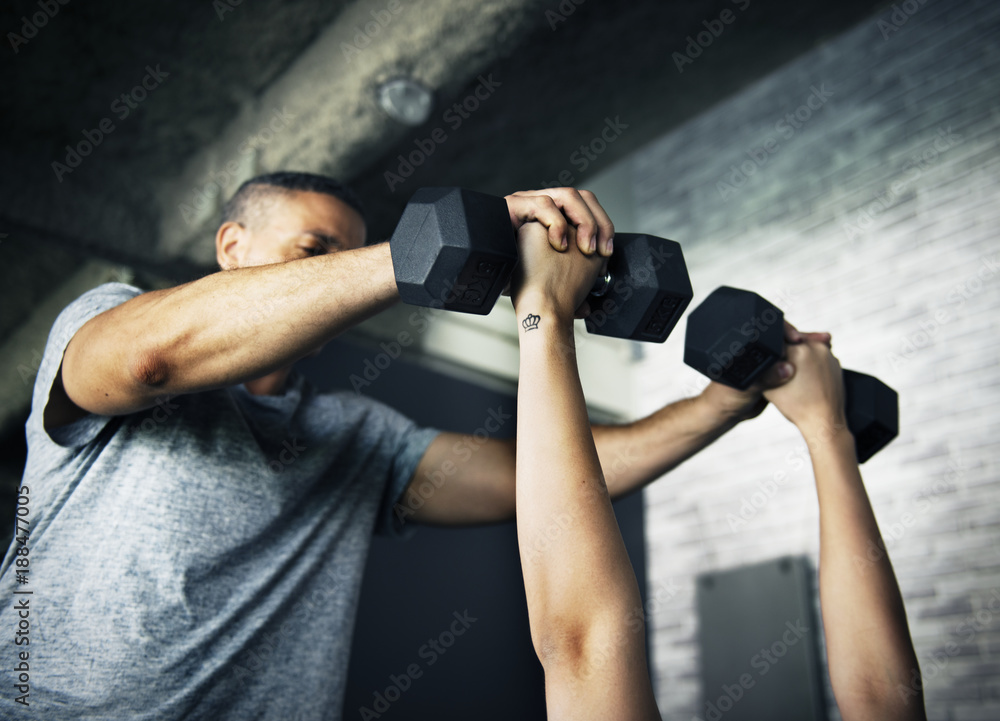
605 228
777 375
824 338
578 213
792 334
525 208
594 228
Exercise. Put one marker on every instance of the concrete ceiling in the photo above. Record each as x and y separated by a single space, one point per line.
237 87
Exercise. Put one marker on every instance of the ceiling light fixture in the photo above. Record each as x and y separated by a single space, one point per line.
405 100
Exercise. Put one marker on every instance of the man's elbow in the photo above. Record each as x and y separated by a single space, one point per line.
148 369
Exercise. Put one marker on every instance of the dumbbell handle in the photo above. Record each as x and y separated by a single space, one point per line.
602 284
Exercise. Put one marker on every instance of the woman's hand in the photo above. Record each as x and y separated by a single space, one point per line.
814 398
558 282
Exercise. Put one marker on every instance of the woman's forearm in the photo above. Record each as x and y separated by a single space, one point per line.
577 575
870 654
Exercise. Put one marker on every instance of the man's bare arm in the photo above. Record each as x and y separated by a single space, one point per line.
638 453
480 486
242 324
223 329
463 479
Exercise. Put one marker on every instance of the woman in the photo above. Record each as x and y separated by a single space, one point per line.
584 607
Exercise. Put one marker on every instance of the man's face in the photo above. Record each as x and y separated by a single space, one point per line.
291 225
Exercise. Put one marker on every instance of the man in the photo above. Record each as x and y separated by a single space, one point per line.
195 503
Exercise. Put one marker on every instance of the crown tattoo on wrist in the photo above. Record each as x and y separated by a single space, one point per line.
530 322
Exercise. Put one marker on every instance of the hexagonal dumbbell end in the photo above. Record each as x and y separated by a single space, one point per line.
872 410
734 336
649 290
454 249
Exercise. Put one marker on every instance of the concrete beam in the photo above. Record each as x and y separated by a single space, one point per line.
322 114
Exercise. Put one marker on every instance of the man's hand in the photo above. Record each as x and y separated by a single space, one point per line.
743 405
562 210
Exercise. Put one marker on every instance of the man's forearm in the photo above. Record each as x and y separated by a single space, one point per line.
237 325
635 454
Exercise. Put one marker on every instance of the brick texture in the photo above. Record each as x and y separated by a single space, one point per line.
871 214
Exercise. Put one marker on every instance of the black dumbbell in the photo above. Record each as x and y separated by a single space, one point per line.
735 335
455 249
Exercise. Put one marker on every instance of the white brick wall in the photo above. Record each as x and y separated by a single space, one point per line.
915 266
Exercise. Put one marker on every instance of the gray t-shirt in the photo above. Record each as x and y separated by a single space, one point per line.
201 559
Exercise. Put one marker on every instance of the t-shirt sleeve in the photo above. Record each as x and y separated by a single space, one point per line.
70 320
408 444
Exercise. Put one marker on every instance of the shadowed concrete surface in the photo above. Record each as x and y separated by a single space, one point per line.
125 126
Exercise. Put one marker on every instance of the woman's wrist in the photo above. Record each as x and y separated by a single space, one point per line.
532 308
826 432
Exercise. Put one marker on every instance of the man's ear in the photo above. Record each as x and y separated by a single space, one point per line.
231 245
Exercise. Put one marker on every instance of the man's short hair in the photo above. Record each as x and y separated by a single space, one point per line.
250 200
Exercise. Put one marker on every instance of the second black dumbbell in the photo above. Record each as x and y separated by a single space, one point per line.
455 249
735 335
